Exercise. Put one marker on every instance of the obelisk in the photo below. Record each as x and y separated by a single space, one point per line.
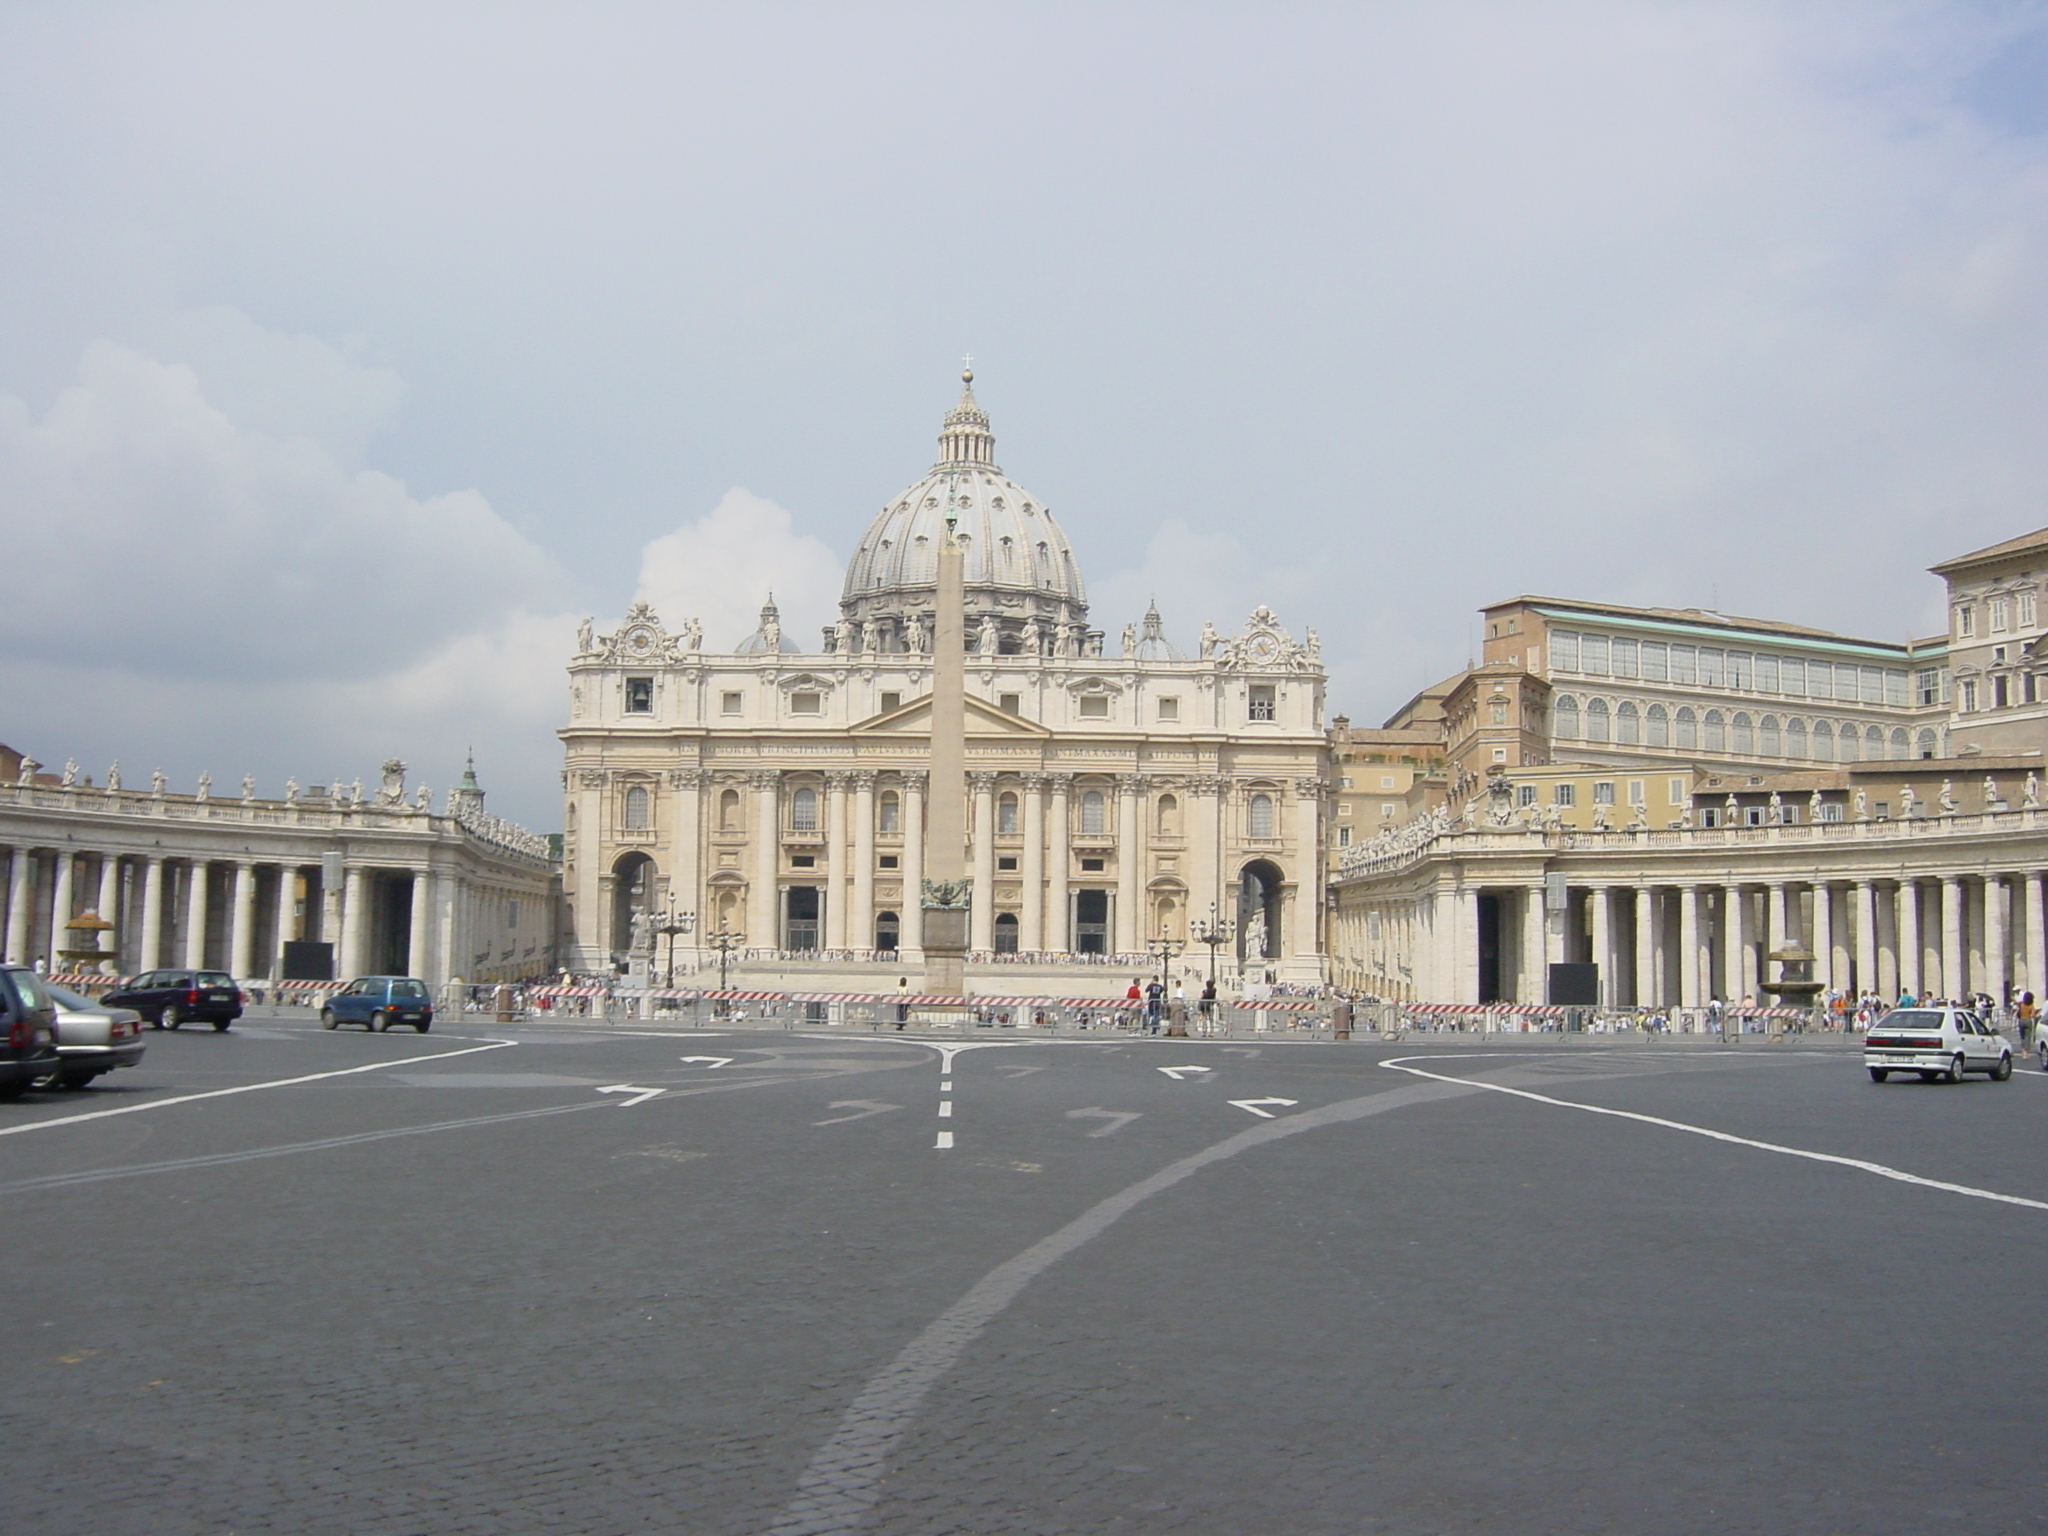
945 850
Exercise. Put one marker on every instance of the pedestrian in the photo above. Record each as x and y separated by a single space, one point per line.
2026 1012
1208 997
902 1002
1155 1004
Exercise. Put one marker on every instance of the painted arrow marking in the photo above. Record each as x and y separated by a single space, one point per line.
1264 1114
1020 1071
1118 1120
708 1061
640 1095
1178 1074
1242 1050
865 1106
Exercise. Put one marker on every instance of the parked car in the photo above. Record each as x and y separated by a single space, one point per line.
378 1002
170 998
92 1038
1937 1043
28 1031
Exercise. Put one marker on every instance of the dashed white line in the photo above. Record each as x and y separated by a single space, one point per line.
945 1140
1861 1165
945 1109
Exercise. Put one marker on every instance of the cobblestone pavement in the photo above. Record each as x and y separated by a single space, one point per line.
1281 1289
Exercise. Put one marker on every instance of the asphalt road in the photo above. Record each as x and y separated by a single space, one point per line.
280 1280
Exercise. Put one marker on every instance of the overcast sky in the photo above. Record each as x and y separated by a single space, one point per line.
348 355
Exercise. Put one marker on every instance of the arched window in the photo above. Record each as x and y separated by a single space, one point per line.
1823 741
1658 722
1006 814
729 811
1795 739
1688 729
1596 720
888 930
1743 739
1770 742
638 816
1259 816
1628 724
889 812
1899 747
1006 933
1564 715
1169 816
1716 735
1924 744
1873 742
1091 814
803 810
1849 743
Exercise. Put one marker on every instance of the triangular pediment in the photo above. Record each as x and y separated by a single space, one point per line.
983 720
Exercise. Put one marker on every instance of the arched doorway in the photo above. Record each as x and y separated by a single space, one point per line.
632 896
1258 913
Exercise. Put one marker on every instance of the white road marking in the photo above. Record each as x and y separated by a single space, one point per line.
1018 1071
219 1093
706 1061
1252 1105
945 1085
945 1140
1861 1165
1246 1051
945 1109
641 1095
1117 1119
1180 1073
865 1106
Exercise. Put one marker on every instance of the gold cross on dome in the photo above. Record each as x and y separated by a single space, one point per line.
967 363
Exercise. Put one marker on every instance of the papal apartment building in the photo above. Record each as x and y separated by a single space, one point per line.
771 796
1674 795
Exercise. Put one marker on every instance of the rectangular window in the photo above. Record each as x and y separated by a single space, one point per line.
1710 816
1386 781
1656 661
1094 706
803 861
1344 781
890 861
1870 685
1343 837
1010 703
1896 693
1675 791
1624 659
1793 671
1740 674
1603 794
511 914
1788 813
731 703
1564 794
1927 684
1767 674
1262 701
1169 708
1635 792
639 695
1712 674
1832 811
1525 794
1969 693
1684 664
1006 861
2027 611
1966 620
1386 811
1999 612
1091 866
891 701
1564 651
1593 654
806 703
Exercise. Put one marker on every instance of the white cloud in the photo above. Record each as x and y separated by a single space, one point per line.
722 567
1198 578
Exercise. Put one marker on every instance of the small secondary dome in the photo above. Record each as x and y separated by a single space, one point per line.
1017 562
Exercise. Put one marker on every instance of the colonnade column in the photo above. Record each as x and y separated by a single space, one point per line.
1646 977
1535 950
419 960
1866 936
1911 966
1059 857
354 893
1824 935
1688 946
448 905
1465 924
910 931
20 867
1777 916
242 919
2036 973
1031 918
861 920
981 915
109 900
1130 924
1733 942
61 903
764 930
837 894
150 952
1600 930
1953 981
287 914
1995 935
198 894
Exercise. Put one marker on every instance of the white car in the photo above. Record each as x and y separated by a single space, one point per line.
1938 1043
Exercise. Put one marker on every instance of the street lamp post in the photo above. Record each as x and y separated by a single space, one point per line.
672 923
725 941
1165 948
1215 933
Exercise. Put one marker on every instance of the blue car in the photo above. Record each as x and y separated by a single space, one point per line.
378 1002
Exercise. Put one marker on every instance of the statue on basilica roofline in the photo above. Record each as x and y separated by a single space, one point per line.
27 773
2030 794
1909 802
205 785
70 772
1948 797
248 786
1033 637
1991 794
291 790
1130 645
914 638
988 639
693 635
158 783
586 638
114 775
1210 640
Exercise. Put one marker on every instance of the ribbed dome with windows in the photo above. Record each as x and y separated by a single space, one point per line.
1018 563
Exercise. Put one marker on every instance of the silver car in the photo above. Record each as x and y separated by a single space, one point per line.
91 1038
1938 1043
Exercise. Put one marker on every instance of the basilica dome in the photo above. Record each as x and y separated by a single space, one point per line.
1018 564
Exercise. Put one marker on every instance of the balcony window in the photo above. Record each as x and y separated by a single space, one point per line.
1261 702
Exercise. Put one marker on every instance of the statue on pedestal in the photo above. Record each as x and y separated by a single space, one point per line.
1948 797
586 641
158 783
2030 796
205 785
70 772
693 635
291 791
248 786
1210 640
114 775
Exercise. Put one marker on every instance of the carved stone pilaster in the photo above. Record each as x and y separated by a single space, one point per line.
981 780
687 778
592 778
863 779
765 778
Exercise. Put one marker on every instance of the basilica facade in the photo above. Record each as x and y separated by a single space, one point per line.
769 800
